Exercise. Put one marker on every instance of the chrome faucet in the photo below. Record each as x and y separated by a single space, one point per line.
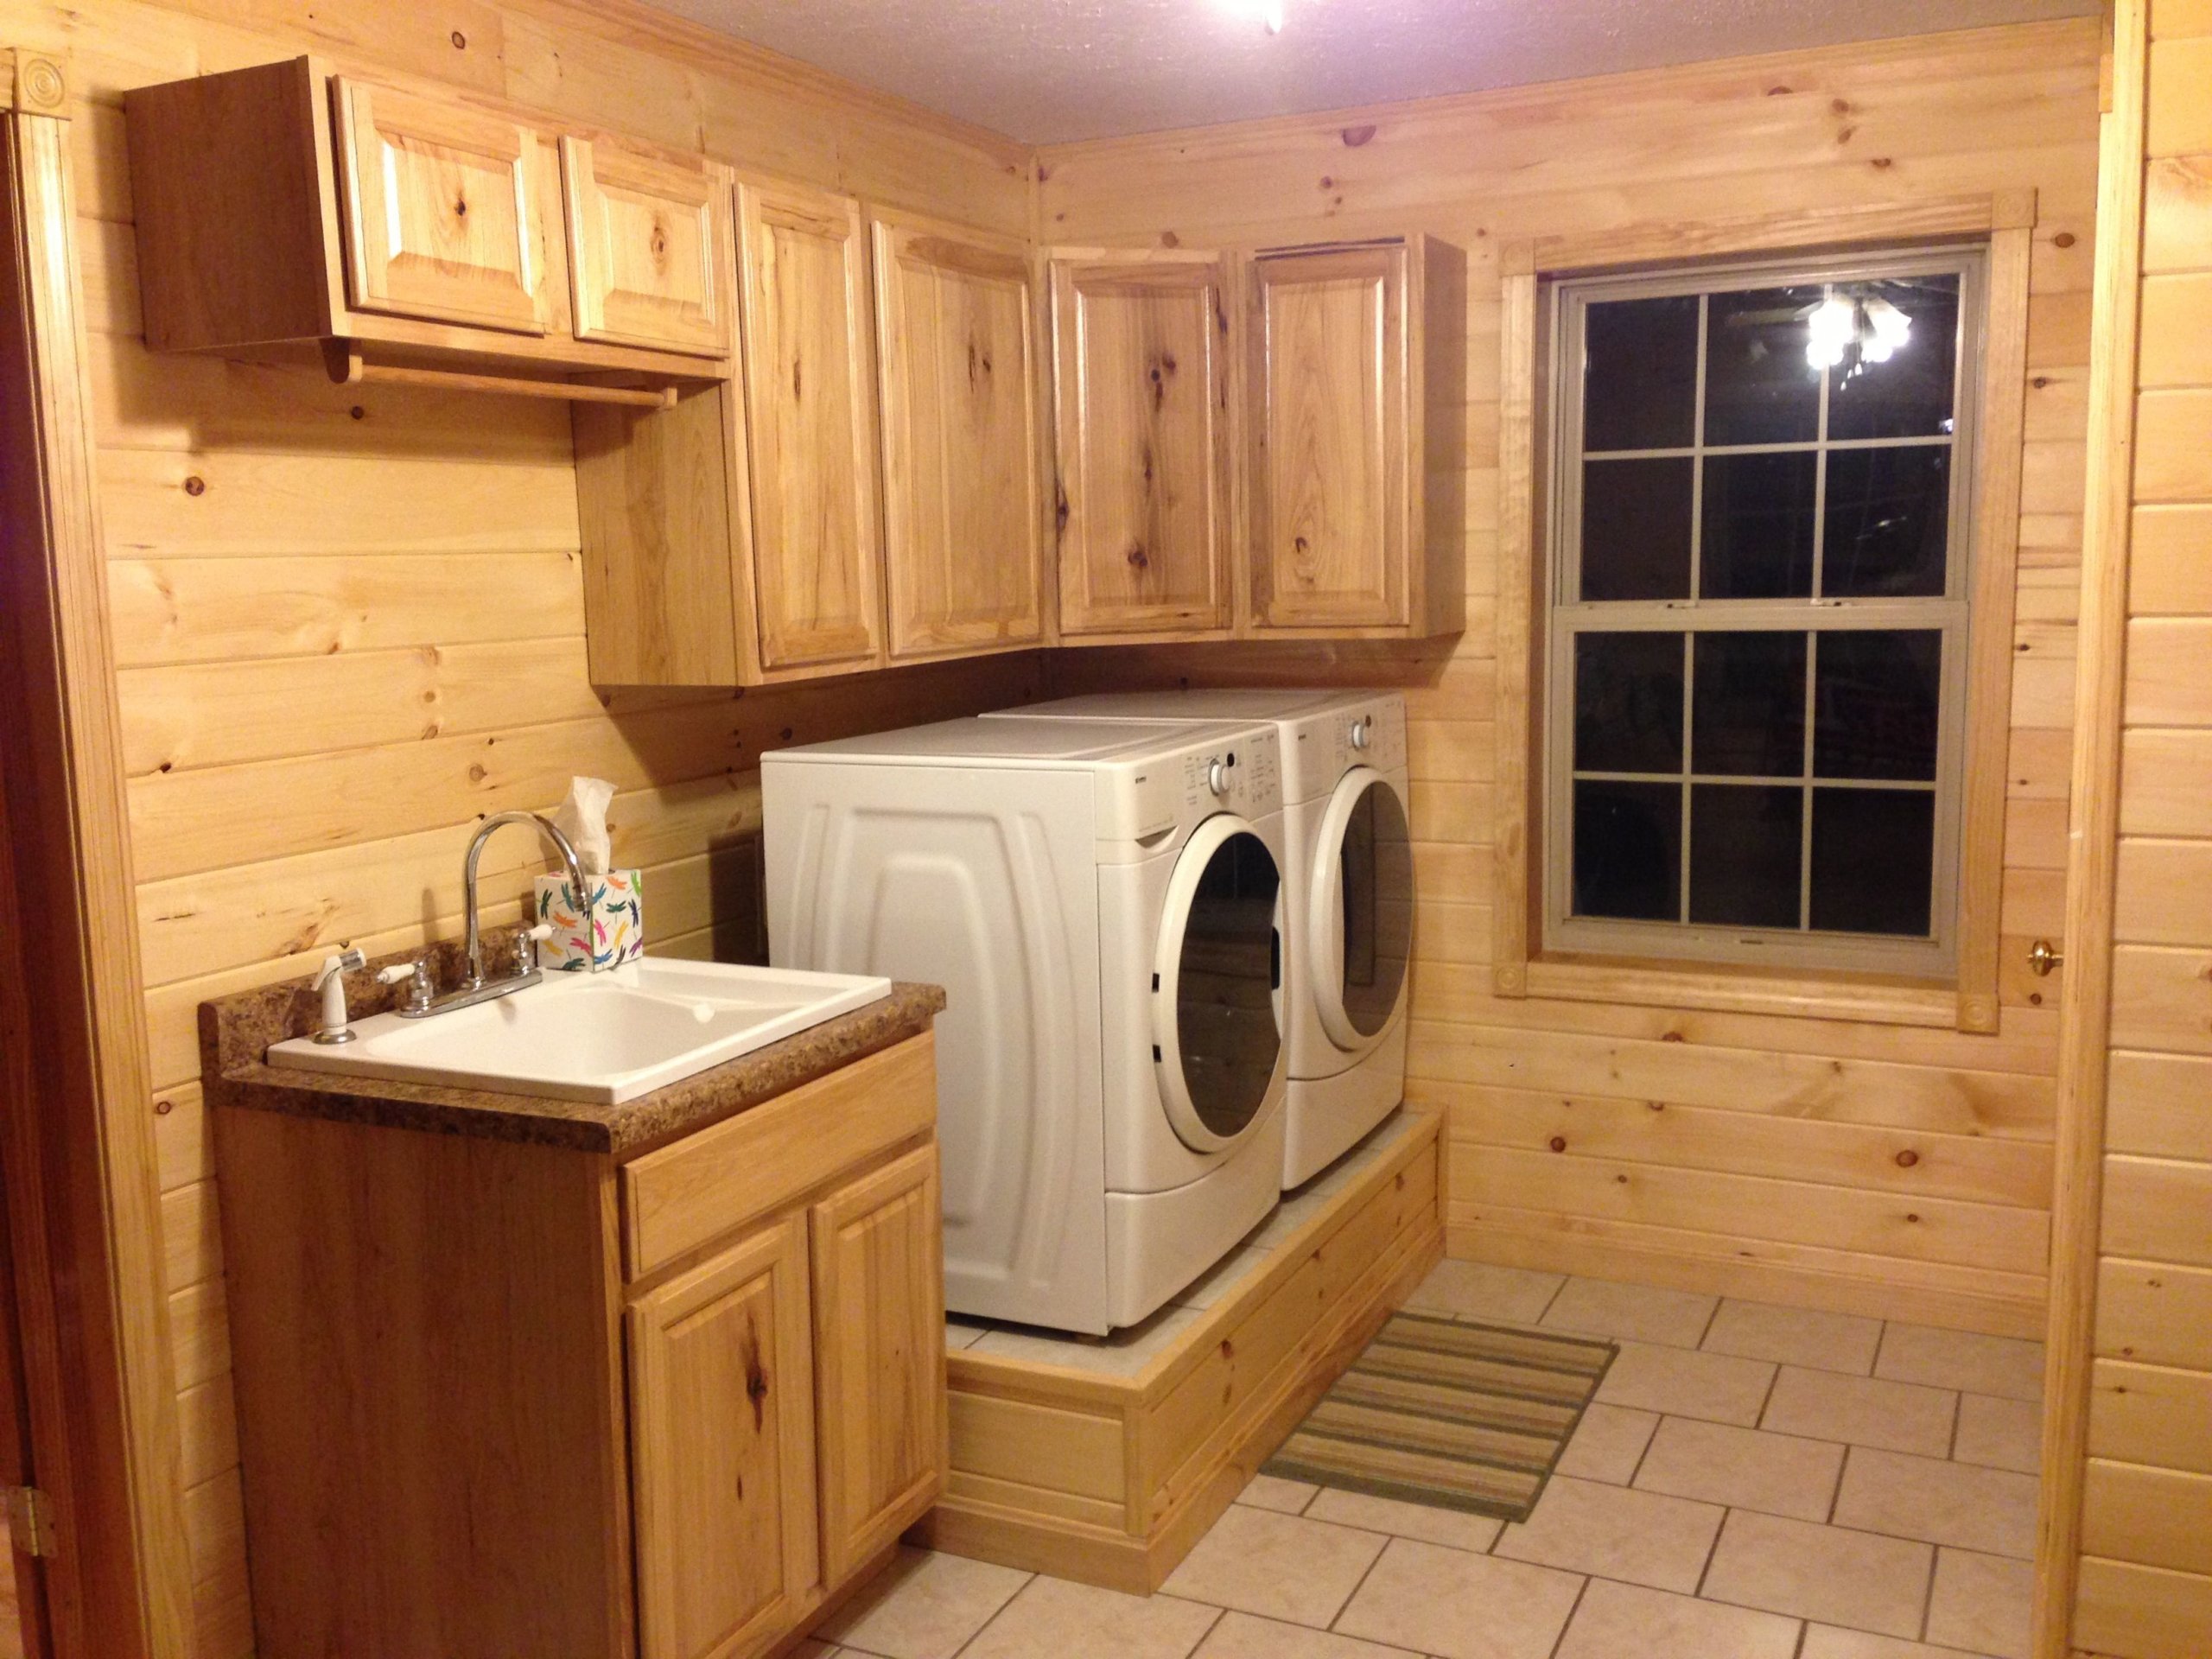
473 943
422 997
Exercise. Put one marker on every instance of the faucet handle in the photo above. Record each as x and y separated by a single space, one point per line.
526 941
421 989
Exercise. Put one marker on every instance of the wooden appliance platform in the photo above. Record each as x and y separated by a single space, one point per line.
1107 1460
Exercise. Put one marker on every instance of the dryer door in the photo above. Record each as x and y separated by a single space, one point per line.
1216 984
1361 924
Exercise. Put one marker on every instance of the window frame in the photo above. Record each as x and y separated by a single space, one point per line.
1563 616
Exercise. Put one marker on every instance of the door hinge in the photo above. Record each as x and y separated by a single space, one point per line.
30 1520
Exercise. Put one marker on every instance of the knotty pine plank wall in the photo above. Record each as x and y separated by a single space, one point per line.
2145 1584
348 622
1757 1154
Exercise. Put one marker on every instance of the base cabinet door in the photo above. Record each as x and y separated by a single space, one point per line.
962 534
879 1347
722 1468
1141 391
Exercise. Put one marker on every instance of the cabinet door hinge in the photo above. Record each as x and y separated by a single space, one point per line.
30 1520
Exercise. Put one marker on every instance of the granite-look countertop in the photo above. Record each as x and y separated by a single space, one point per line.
235 1032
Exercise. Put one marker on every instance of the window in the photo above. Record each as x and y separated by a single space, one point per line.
1758 614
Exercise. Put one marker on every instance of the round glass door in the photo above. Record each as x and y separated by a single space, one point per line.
1217 983
1363 909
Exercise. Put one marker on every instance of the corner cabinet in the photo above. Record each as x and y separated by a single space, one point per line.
1145 421
499 1397
286 212
1358 373
964 554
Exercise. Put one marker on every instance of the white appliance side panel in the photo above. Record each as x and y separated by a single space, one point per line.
983 881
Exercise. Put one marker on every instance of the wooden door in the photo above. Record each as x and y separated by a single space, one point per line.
722 1448
817 548
648 247
1331 479
1141 388
442 208
879 1350
962 537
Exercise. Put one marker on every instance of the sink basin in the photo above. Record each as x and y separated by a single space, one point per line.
606 1037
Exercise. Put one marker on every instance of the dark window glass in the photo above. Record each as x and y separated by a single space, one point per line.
1640 374
1759 387
1375 865
1889 514
1896 379
1748 714
1873 860
1628 702
1636 528
1759 513
1877 699
1224 986
1628 850
1746 848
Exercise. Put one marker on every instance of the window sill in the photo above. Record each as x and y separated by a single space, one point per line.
1870 998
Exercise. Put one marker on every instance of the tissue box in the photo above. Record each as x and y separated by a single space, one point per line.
617 918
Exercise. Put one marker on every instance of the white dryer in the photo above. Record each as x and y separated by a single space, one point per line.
1349 870
1102 904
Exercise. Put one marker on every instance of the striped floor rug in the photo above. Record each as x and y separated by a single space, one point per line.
1457 1415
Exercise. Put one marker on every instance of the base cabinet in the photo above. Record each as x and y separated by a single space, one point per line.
506 1398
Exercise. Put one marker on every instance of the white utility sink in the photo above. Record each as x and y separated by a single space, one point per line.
606 1037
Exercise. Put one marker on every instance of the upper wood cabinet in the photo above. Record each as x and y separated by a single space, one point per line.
1357 389
287 213
444 208
810 400
649 244
962 527
1144 413
721 1450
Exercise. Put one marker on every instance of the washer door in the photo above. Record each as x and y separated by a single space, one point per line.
1363 910
1216 983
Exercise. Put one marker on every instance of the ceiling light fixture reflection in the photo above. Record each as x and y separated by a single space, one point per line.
1266 13
1878 328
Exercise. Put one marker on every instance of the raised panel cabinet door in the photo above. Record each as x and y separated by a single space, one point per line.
443 209
878 1355
963 536
817 548
721 1451
1141 388
1330 488
648 247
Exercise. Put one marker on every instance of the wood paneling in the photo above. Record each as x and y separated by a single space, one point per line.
1662 162
312 587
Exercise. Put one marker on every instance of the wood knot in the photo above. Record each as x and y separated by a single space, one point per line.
1880 163
1355 136
1169 239
1138 558
1558 1143
461 207
1907 1158
2064 240
195 484
460 41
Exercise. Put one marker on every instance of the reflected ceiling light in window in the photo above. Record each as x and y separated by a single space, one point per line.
1266 13
1878 328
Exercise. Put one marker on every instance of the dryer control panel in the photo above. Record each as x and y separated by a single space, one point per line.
1372 736
1223 769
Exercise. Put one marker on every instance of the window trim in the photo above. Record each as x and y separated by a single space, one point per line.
1520 966
1564 617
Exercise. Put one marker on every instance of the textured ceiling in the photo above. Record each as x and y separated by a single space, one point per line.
1052 71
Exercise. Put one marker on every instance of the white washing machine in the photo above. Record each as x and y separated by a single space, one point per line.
1348 871
1103 903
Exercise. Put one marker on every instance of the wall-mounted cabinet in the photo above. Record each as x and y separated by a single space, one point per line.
1144 417
1356 366
963 552
286 212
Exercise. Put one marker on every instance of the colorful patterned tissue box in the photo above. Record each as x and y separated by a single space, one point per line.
617 932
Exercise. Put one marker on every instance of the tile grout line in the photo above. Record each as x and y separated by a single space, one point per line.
1567 1623
1711 1320
1928 1596
1842 1473
977 1634
1712 1550
1366 1573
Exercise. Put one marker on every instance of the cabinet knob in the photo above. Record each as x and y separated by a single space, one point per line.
2042 959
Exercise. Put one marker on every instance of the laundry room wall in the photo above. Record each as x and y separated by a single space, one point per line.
1878 1168
349 621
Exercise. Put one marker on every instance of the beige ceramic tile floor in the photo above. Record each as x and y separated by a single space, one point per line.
1752 1483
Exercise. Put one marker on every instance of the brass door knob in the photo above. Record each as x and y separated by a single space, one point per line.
2042 959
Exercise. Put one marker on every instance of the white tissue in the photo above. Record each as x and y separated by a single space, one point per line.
582 818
